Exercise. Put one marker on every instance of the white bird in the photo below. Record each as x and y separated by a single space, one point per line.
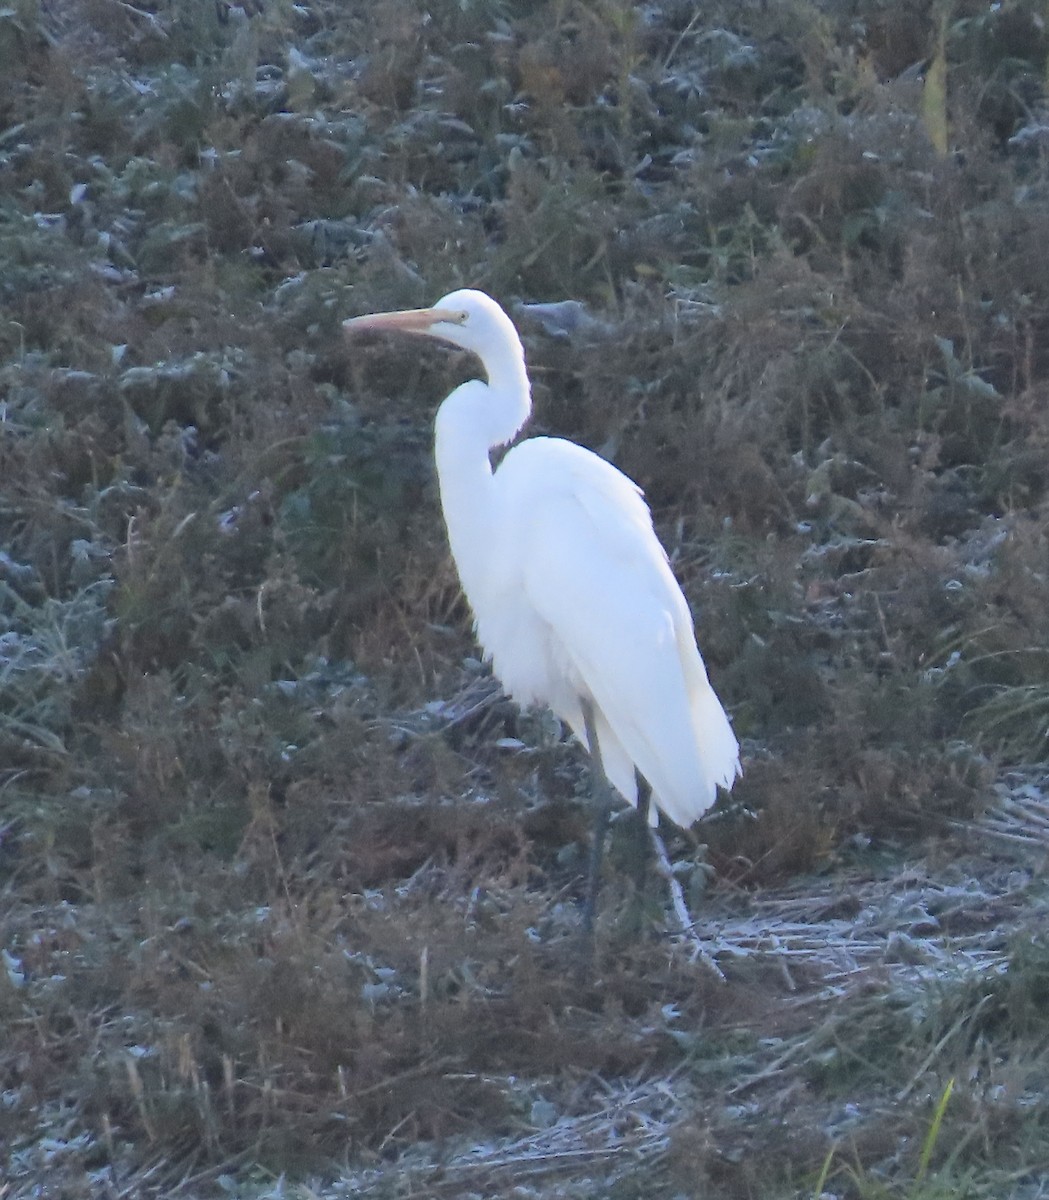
574 599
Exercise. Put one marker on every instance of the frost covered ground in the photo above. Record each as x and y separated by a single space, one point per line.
290 894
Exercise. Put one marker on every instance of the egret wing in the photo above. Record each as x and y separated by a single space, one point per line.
596 574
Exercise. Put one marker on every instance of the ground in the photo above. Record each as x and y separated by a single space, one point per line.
291 893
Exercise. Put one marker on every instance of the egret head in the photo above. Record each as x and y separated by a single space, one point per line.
465 318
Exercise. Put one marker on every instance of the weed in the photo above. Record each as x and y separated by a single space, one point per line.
287 887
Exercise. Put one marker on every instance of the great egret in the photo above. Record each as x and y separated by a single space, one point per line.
574 599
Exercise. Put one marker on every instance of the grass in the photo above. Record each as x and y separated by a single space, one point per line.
290 894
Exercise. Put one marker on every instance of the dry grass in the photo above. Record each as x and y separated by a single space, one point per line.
289 891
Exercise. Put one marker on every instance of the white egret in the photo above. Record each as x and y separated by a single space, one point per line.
574 599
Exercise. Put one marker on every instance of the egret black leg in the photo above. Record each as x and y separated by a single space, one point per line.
602 801
644 796
644 852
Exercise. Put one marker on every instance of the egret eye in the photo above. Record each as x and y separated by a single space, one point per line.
462 317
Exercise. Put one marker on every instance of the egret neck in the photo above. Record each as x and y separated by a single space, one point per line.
475 419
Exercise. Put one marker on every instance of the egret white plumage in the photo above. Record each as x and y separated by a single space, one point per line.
573 596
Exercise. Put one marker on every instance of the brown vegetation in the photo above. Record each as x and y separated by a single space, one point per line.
287 888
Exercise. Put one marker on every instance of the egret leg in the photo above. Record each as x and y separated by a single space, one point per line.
682 917
644 801
602 799
644 797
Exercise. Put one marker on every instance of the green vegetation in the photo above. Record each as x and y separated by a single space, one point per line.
289 891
